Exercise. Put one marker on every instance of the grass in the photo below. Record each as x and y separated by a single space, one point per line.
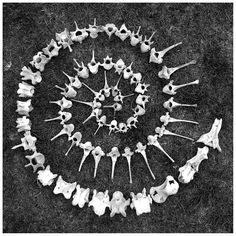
205 205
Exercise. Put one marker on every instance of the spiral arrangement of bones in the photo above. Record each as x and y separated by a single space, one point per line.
100 200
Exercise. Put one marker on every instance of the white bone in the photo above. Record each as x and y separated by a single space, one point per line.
106 89
52 49
64 117
119 97
46 177
114 154
128 154
112 126
167 119
97 95
75 140
171 89
110 29
135 38
29 75
23 124
68 91
131 122
116 106
79 34
152 140
127 72
159 58
191 167
119 66
23 108
82 70
74 81
163 131
142 100
139 111
170 104
28 142
211 138
114 89
94 104
97 153
67 129
160 193
94 29
64 39
107 63
63 103
101 122
93 65
63 187
118 204
39 61
87 147
95 113
123 32
146 43
141 202
122 128
166 72
38 158
136 78
99 202
142 150
81 196
141 88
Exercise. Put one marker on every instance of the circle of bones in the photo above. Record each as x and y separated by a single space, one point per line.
141 202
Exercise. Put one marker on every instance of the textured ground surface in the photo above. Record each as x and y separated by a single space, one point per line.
204 205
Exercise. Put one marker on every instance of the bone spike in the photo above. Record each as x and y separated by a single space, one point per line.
17 146
59 87
186 121
166 132
164 51
138 30
150 38
56 118
82 102
94 92
172 70
91 116
56 136
130 174
76 26
113 168
71 146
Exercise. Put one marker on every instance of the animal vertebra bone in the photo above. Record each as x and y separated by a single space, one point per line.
139 111
136 78
28 142
74 81
106 89
127 72
166 72
119 97
114 154
67 129
163 131
94 29
122 127
97 153
95 113
152 140
159 59
39 61
68 91
142 100
46 177
141 149
191 167
171 89
29 75
167 119
141 202
93 65
79 34
81 196
99 202
160 193
64 117
135 38
52 49
107 63
170 104
23 108
211 138
123 32
128 154
64 39
36 160
101 122
87 147
119 66
131 121
112 126
141 88
110 29
25 90
23 124
82 70
75 139
146 43
118 204
63 187
97 95
63 103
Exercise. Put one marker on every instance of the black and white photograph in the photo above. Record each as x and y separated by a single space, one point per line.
117 117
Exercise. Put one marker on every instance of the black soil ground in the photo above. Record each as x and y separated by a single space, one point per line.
205 205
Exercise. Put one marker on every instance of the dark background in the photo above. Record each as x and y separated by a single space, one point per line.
203 205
